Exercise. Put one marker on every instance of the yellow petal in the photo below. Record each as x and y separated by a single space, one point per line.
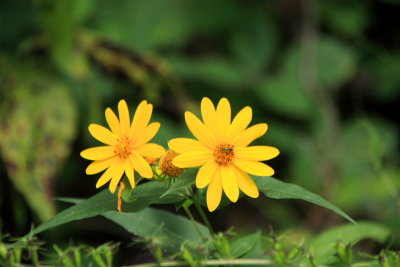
116 177
254 167
250 134
256 153
106 176
99 165
147 134
130 174
229 183
140 165
141 118
224 116
124 119
205 174
199 130
192 159
102 134
184 145
98 153
246 184
239 123
113 122
209 117
150 150
214 191
208 112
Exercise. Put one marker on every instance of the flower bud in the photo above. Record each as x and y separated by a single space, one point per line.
222 246
166 167
3 251
344 253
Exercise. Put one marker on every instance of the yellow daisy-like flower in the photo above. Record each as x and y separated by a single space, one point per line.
222 151
126 145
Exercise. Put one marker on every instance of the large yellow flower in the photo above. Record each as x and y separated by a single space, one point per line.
126 145
222 151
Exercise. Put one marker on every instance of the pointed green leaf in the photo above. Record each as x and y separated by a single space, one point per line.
336 62
99 203
274 188
143 195
152 192
70 200
167 229
323 246
245 244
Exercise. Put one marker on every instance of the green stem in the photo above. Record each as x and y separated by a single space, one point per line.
204 218
237 262
190 215
247 262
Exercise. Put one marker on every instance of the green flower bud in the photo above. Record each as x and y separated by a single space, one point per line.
279 258
187 256
222 246
109 256
17 254
344 253
294 253
77 257
3 251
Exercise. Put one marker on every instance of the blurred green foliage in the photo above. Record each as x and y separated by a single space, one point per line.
334 247
36 131
325 76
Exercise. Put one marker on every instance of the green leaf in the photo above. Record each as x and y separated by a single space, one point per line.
284 94
324 245
274 188
336 63
151 24
99 203
187 178
150 192
70 200
371 141
36 136
146 25
214 71
353 19
245 244
167 229
384 70
254 42
142 196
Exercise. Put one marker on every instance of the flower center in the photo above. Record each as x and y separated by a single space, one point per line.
124 147
223 154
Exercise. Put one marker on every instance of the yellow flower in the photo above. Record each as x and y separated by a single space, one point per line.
126 145
222 151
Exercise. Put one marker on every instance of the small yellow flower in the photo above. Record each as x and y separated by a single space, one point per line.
126 145
222 151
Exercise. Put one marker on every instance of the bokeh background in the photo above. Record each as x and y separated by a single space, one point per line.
324 75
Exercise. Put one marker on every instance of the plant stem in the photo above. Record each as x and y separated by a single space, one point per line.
247 262
190 215
204 217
